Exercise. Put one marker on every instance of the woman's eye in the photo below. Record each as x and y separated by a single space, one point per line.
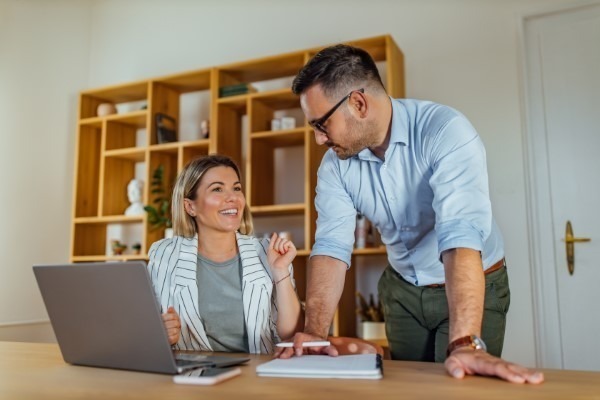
217 189
237 188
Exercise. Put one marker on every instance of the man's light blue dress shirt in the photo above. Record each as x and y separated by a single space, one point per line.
429 195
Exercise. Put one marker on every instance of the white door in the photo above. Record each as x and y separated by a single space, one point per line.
562 57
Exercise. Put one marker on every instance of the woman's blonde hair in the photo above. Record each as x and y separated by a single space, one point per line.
186 186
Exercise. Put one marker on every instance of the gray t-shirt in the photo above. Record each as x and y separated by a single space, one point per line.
220 304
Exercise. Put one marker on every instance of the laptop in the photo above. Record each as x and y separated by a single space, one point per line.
106 315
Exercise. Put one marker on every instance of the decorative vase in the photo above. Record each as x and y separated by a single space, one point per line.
168 233
369 330
105 109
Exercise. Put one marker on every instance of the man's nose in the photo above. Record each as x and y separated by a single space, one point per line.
320 137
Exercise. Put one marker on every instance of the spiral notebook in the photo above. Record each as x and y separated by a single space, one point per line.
356 366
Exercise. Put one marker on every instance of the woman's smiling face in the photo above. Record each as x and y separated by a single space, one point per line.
219 202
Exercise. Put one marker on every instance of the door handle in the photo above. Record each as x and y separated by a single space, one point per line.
570 241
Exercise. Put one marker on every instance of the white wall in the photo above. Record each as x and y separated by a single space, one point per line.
44 53
463 53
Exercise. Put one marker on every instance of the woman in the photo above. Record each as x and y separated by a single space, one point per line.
222 289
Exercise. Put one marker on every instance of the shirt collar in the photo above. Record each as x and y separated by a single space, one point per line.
399 132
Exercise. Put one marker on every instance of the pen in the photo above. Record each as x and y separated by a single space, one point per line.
321 343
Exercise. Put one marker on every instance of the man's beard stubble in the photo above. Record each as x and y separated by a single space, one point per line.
360 136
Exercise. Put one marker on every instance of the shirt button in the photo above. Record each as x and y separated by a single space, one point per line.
392 198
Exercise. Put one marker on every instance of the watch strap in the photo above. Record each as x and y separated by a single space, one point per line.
470 340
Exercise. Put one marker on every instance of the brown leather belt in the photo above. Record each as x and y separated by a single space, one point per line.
488 271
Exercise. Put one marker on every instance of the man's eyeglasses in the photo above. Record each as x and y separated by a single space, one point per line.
319 123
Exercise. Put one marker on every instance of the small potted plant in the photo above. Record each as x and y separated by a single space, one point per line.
137 248
159 214
117 247
372 325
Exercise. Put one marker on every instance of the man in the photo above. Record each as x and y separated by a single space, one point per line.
417 171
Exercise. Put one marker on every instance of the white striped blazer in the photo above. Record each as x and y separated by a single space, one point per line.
172 269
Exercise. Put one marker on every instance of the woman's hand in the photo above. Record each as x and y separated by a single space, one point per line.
172 324
281 253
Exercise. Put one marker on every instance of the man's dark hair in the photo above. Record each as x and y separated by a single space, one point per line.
338 68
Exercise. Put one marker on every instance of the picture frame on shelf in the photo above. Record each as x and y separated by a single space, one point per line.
166 128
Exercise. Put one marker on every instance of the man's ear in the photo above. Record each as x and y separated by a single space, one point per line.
359 105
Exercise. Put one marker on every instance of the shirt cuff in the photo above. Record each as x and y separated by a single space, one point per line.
331 251
454 234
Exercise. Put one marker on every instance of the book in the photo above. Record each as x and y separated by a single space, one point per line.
355 366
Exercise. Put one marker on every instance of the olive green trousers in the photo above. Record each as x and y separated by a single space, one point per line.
417 318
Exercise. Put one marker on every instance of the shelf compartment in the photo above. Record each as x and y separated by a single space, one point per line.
268 151
193 150
266 106
265 225
186 97
90 99
266 68
119 169
90 240
193 81
88 171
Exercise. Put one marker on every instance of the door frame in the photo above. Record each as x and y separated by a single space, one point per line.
548 339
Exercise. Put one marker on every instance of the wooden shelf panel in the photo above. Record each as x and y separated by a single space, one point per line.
92 122
235 102
282 138
278 209
137 154
195 143
110 219
135 118
166 147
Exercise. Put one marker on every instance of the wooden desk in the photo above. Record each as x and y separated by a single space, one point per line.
37 371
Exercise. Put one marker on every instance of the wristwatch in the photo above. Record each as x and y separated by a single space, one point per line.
472 341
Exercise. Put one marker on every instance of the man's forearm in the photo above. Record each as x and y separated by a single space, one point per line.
326 277
465 289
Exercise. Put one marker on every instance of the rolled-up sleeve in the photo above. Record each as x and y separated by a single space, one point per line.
460 187
336 213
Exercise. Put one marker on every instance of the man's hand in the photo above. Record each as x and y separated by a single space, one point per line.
466 361
172 324
298 350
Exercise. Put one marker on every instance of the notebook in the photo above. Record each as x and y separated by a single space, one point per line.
355 366
106 315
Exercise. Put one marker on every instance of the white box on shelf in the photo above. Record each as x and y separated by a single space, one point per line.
288 122
275 124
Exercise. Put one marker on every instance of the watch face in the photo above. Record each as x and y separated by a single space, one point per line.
478 343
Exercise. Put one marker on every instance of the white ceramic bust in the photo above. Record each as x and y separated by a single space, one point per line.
134 194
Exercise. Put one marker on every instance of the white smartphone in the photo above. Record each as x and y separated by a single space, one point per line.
206 376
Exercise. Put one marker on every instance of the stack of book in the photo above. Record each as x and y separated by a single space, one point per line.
234 90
